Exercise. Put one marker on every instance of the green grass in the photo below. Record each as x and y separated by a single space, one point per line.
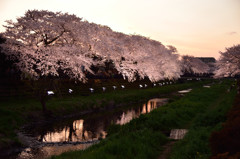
143 137
196 142
113 98
14 112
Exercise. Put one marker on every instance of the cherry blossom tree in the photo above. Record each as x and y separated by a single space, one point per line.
194 65
46 42
154 60
136 55
229 63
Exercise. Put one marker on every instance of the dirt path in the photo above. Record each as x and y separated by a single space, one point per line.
167 149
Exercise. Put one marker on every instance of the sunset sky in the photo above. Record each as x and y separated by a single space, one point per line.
194 27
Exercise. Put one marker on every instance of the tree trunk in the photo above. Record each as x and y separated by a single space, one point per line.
238 85
43 102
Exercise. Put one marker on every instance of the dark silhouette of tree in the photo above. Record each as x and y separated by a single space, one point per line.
229 63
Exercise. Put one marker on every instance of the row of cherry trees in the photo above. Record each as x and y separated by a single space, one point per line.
46 43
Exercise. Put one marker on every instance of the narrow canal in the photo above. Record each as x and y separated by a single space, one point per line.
54 138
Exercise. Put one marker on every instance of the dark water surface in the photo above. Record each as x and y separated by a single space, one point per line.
54 138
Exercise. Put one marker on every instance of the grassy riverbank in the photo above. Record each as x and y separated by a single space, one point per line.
225 142
143 138
196 143
15 112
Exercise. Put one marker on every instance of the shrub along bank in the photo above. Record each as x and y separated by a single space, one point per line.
200 110
225 142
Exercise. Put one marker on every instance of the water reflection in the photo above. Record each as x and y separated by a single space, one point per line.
146 108
94 127
59 137
73 133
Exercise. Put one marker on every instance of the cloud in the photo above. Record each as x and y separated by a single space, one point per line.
232 33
